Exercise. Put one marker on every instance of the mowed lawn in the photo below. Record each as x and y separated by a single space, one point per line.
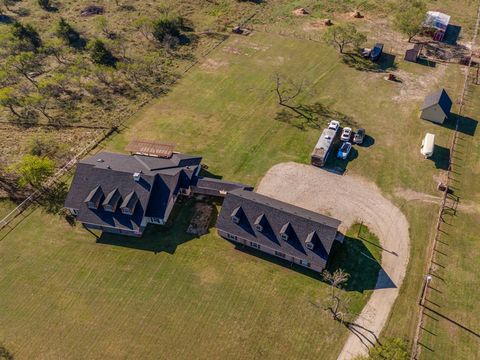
453 332
65 295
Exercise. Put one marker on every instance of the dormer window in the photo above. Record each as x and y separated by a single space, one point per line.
311 240
94 197
129 203
111 201
285 231
237 215
261 222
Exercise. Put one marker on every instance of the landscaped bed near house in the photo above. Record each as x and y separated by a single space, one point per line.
63 292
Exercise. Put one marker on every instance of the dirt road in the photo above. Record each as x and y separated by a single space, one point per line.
351 199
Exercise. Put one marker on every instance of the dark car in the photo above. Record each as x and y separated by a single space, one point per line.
359 136
376 52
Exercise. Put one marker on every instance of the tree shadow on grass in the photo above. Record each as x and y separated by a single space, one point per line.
5 19
313 116
354 258
358 62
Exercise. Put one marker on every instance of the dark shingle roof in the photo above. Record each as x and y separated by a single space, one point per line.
439 97
113 173
216 187
130 201
297 222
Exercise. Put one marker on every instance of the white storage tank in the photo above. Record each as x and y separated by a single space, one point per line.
428 144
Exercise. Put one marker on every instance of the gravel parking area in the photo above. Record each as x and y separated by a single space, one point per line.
351 199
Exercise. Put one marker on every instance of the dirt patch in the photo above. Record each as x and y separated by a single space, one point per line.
213 64
351 199
413 87
300 12
209 276
411 195
201 219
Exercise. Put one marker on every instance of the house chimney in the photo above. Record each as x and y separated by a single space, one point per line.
136 176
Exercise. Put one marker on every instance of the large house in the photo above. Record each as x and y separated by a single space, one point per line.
122 193
283 230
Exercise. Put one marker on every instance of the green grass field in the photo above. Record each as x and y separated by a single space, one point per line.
168 293
63 294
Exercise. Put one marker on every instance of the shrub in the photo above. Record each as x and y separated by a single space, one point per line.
100 54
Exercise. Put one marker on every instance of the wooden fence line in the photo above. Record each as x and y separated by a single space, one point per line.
416 350
19 209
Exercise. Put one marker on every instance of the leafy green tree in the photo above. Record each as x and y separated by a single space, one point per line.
8 3
25 64
343 36
166 27
5 354
33 170
56 48
27 34
43 146
145 26
409 17
40 102
10 100
101 23
100 54
66 32
391 349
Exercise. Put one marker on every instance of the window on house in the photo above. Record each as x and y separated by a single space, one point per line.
255 245
235 219
304 263
278 253
284 237
232 237
259 227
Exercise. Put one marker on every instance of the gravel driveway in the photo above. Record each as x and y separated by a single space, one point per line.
351 199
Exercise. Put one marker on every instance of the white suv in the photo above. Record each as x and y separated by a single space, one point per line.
346 134
334 125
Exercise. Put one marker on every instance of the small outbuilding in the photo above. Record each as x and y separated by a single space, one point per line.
412 55
436 23
436 107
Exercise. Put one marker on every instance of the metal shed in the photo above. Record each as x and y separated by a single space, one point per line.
436 107
413 54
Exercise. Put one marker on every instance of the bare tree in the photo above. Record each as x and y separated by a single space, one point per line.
286 93
337 306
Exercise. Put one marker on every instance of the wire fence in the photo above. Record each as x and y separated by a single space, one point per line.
444 208
105 133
